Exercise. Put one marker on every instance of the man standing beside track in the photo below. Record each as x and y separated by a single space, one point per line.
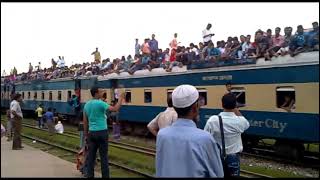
233 124
95 130
183 150
16 116
39 112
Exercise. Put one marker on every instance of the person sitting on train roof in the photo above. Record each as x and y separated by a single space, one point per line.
163 119
183 150
297 44
276 44
313 37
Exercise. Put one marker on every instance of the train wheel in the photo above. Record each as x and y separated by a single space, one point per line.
290 150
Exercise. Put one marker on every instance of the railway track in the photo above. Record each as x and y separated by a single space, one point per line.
269 154
129 147
75 152
148 151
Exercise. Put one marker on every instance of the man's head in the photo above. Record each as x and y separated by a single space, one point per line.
209 26
96 49
248 38
96 92
315 25
185 102
269 33
259 34
222 44
17 97
50 109
277 31
153 36
229 39
228 86
229 101
288 31
300 29
175 35
242 38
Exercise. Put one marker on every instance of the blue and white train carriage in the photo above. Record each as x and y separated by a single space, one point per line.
262 84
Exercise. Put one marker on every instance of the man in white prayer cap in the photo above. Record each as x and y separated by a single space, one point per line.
183 150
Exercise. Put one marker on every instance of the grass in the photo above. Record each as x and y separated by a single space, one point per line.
114 171
135 160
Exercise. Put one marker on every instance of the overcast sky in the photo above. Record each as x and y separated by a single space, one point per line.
33 32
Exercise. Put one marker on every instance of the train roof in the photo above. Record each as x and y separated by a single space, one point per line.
308 58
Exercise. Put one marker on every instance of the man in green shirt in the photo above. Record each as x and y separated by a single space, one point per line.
95 129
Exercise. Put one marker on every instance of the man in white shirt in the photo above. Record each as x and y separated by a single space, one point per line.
163 119
16 115
206 34
233 125
59 128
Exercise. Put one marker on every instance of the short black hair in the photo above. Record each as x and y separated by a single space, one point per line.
16 96
49 109
315 23
169 101
228 83
269 30
183 111
229 101
94 90
104 95
300 26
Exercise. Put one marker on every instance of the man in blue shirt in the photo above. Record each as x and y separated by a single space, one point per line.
49 120
183 150
95 130
153 43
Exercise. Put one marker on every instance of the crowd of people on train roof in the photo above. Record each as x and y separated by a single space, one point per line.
149 56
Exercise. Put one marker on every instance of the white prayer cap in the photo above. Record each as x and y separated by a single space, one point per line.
184 96
59 122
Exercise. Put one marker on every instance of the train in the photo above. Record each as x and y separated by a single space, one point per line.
262 86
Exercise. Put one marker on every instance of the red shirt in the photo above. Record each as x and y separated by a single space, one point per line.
173 55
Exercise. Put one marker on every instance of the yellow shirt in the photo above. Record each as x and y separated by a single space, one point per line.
97 56
39 110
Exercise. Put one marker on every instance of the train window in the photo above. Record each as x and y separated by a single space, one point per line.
59 95
69 94
202 97
128 96
286 98
240 93
22 95
169 92
42 95
29 95
50 95
147 96
35 96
